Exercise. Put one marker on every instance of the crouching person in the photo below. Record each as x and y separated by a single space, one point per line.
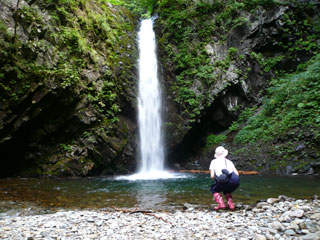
226 177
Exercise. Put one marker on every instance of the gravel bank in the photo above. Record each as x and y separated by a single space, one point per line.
275 218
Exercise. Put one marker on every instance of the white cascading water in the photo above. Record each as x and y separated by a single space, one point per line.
149 107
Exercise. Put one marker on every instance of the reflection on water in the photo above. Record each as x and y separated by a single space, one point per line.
156 194
148 195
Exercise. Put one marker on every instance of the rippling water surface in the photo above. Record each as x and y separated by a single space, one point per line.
155 194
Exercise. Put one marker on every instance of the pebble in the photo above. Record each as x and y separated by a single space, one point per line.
272 200
259 237
280 218
311 236
297 213
289 232
315 216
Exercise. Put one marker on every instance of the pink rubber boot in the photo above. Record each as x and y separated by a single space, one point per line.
219 200
229 201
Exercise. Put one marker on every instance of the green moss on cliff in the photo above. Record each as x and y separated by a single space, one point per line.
283 135
80 35
142 8
66 67
184 43
291 107
190 28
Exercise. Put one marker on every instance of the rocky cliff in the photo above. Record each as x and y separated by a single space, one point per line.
67 83
218 58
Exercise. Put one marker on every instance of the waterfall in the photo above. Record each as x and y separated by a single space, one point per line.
151 153
149 107
149 102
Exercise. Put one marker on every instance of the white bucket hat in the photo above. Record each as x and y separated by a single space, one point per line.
220 152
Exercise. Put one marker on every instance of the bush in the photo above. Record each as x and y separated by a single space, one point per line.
214 139
293 103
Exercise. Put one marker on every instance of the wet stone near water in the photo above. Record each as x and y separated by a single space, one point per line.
281 219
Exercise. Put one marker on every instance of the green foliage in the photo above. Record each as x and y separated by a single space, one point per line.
81 35
234 126
293 103
267 63
184 43
252 4
232 52
15 78
105 101
294 41
66 147
142 8
243 117
213 139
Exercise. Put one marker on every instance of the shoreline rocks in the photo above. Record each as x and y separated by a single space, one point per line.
281 218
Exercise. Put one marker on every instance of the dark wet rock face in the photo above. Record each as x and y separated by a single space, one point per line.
67 105
239 83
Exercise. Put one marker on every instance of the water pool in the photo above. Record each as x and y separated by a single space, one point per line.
147 194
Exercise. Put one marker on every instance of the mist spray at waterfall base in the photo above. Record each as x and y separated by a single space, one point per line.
149 107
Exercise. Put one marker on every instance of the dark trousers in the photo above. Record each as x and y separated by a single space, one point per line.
227 187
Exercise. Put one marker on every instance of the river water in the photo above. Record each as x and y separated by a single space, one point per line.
98 193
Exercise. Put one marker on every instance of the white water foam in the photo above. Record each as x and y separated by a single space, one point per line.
154 175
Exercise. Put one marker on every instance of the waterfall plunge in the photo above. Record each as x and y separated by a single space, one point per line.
149 102
149 106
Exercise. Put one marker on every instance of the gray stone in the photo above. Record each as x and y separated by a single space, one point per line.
289 170
302 225
300 147
257 210
285 218
277 225
312 226
294 226
271 230
289 232
315 216
272 200
305 208
262 204
196 224
277 236
305 231
259 237
297 213
311 236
